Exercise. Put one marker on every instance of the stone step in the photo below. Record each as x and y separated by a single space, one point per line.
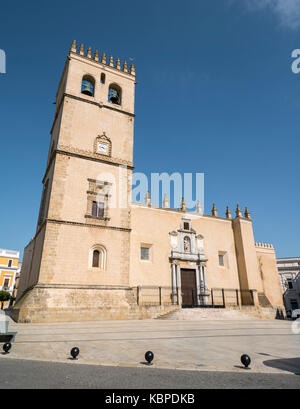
198 314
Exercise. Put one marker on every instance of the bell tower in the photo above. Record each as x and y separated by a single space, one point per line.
93 124
81 246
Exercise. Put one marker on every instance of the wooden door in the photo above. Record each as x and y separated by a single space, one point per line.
188 287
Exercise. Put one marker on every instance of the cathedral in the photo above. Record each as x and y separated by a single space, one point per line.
92 260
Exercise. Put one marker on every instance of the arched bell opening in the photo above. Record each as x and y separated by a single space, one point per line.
88 85
115 94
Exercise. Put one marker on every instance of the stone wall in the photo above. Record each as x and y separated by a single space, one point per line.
63 304
266 259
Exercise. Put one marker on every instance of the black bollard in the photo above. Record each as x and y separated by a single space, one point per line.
74 352
7 347
149 357
246 360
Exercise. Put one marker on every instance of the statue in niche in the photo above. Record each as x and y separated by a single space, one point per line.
187 244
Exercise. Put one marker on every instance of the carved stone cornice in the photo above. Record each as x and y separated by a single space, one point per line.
100 105
84 154
90 155
56 221
82 286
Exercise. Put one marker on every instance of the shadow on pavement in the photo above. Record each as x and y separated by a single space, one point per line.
242 367
289 364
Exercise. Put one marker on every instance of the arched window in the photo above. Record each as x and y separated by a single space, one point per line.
115 94
98 257
88 85
187 244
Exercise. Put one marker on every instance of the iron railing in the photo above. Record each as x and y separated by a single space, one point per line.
214 298
153 296
218 298
232 297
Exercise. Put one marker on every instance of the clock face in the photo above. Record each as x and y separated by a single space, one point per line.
102 147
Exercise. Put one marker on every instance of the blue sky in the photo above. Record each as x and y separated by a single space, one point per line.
215 94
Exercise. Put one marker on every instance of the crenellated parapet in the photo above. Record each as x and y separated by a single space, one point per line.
264 245
228 215
117 65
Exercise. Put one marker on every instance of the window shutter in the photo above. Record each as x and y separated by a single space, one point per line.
100 209
94 209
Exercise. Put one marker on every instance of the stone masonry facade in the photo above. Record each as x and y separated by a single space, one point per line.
93 259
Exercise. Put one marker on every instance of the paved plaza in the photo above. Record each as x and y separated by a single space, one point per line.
202 345
18 373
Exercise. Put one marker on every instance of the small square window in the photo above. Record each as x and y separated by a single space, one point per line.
145 253
221 260
9 263
186 226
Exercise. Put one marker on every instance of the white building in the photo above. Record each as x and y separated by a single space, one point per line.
289 273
